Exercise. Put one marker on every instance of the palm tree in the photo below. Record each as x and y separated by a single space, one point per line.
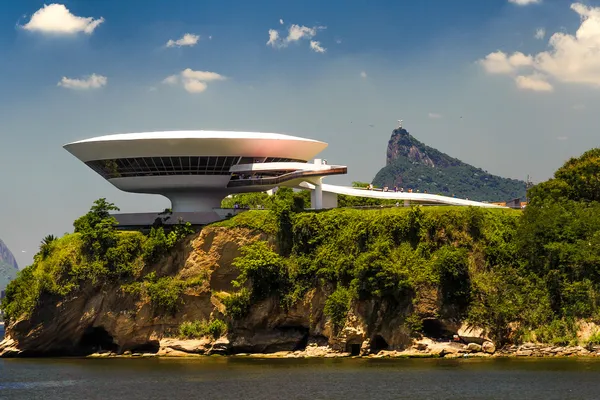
45 245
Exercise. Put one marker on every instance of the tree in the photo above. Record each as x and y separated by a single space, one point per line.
578 179
97 229
45 246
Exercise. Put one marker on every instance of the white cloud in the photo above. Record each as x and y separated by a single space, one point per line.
524 2
57 19
193 81
316 46
294 35
500 63
188 39
194 86
297 32
273 38
171 80
90 82
570 58
434 115
533 82
205 76
280 21
363 74
540 33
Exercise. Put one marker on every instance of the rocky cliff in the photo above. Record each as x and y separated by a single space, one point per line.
240 272
412 164
8 266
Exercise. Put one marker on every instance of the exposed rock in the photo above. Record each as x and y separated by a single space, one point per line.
474 347
267 341
488 347
200 346
8 266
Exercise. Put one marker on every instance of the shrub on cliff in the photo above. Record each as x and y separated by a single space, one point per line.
337 306
199 329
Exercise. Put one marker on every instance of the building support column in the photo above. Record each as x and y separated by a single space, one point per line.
406 203
318 197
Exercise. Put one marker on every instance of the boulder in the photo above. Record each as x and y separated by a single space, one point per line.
488 347
474 347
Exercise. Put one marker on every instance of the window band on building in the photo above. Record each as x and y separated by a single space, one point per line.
181 165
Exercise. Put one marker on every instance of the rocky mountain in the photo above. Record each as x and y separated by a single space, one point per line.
412 164
8 266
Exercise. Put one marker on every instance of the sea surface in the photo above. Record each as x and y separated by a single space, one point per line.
247 378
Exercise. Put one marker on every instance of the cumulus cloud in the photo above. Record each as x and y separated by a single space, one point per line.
571 58
540 33
57 19
524 2
280 21
188 39
316 46
193 81
499 62
92 81
434 115
535 82
296 33
363 74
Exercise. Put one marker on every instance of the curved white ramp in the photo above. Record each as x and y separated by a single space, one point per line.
412 197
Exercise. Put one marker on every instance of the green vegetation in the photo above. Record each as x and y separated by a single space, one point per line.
165 292
337 306
536 270
521 275
199 329
96 254
262 200
412 164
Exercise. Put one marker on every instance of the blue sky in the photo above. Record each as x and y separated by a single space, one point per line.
524 78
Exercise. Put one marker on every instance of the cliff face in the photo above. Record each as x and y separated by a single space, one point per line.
412 164
8 266
112 318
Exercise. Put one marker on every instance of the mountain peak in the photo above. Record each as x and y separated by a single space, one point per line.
412 164
8 265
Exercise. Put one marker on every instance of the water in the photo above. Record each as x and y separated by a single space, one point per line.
243 378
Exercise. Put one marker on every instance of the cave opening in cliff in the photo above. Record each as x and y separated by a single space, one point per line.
353 349
302 343
95 339
434 328
378 344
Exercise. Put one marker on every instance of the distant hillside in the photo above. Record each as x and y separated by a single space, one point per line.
412 164
8 266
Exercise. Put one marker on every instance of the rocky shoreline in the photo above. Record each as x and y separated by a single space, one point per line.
425 348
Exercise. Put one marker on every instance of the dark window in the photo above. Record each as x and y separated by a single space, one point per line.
184 165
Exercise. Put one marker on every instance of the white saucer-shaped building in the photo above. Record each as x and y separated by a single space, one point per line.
197 169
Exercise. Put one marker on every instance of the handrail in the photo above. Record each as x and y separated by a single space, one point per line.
286 177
